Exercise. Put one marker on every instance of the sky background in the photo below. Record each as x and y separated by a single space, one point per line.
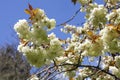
13 10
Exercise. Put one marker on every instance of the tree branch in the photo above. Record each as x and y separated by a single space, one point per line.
99 61
116 78
70 18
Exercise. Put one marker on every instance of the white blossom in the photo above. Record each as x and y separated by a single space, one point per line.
19 48
52 23
34 77
55 41
25 49
117 61
21 25
51 35
113 69
97 16
84 2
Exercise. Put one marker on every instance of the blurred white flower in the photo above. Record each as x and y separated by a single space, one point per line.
97 16
113 69
52 24
110 39
117 61
55 41
34 77
84 2
51 36
19 48
21 24
25 49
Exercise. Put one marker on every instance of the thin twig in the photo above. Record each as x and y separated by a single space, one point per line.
104 71
99 61
70 18
63 72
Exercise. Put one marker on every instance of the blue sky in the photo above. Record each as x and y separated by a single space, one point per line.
13 10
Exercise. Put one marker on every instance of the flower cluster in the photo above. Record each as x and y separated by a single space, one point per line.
111 64
34 42
99 37
34 77
111 3
114 17
110 39
21 27
84 2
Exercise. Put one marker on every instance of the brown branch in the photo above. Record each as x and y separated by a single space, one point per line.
99 61
44 71
75 66
50 73
63 72
70 18
104 71
79 58
89 66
